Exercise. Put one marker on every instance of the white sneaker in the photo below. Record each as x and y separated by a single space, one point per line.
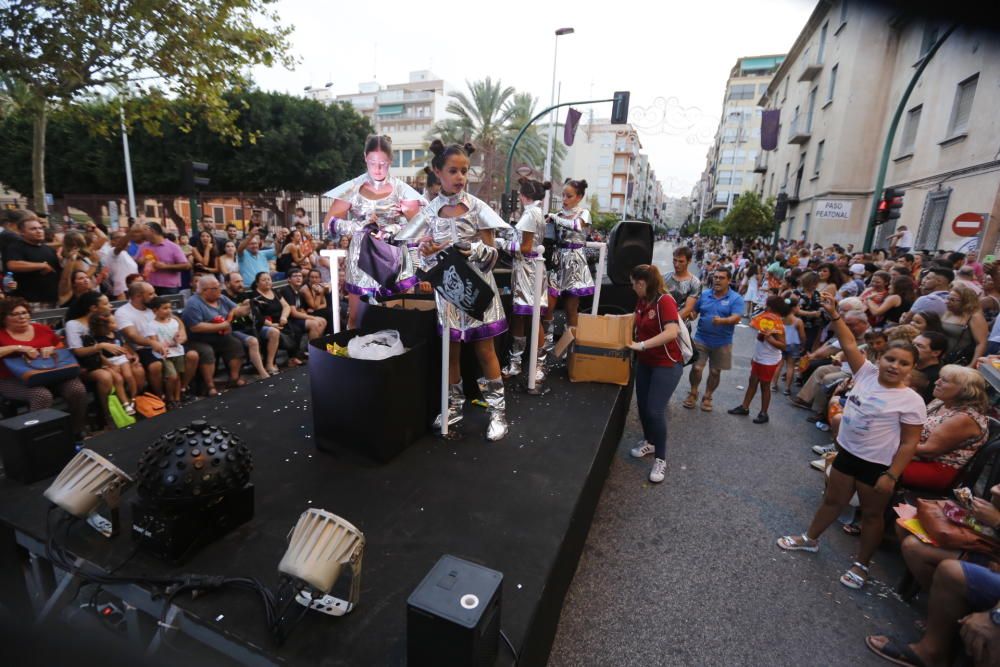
819 464
643 449
659 470
823 450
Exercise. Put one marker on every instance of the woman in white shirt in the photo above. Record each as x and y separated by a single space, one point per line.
878 436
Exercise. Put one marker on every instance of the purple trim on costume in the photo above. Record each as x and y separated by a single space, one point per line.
554 293
382 291
404 285
579 291
482 332
413 244
529 255
520 309
360 291
571 246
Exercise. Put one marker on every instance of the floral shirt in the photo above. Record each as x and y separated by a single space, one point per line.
957 458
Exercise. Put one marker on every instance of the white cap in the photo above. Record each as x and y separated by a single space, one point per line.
858 269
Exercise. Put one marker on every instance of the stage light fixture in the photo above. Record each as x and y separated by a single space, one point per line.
319 546
194 487
86 482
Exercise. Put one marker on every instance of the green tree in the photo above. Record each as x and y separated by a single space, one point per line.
533 144
300 145
162 50
749 217
481 117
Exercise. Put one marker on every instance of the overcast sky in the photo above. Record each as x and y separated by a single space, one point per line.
673 57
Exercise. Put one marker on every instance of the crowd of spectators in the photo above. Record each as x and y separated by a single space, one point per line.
886 352
145 311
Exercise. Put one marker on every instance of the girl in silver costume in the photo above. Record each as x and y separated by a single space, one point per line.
457 218
526 248
571 278
379 199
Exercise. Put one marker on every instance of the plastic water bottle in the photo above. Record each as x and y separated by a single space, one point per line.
8 280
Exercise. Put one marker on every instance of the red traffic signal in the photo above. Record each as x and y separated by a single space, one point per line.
889 205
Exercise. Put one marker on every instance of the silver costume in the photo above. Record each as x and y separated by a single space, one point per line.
525 264
523 285
461 326
390 226
572 274
466 227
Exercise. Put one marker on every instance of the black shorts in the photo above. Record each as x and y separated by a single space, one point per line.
865 472
147 358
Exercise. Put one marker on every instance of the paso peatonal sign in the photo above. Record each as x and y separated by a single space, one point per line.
838 210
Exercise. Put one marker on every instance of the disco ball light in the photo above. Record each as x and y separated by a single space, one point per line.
194 463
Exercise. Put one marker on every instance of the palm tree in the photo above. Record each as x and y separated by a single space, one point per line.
482 118
531 149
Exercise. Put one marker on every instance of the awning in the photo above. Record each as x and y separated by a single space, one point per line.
389 110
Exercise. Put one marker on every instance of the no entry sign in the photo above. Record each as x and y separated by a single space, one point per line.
968 224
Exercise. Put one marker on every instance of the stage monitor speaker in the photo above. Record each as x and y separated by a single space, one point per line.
453 616
36 445
629 244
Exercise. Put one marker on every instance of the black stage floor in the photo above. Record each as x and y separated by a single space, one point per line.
521 506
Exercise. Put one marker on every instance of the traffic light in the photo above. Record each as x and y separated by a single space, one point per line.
193 178
619 111
781 207
889 206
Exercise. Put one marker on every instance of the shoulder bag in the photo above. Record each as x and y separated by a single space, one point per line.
688 354
39 372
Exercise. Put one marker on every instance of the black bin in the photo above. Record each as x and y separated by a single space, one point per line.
36 445
377 408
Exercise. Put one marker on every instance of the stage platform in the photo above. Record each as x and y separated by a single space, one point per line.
522 506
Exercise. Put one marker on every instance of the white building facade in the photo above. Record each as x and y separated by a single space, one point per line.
837 92
406 112
619 175
729 167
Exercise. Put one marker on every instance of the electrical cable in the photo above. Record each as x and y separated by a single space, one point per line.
503 635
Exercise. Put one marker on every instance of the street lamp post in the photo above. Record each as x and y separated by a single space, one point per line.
128 163
552 117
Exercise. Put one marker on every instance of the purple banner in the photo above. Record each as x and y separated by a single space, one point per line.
769 129
572 121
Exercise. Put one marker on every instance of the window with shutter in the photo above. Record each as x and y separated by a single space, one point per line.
963 106
910 130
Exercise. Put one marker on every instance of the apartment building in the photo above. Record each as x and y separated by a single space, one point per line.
730 162
404 111
610 158
837 92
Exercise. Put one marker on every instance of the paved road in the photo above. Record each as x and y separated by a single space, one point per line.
687 572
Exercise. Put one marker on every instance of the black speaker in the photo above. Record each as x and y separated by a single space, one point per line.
36 445
453 616
629 244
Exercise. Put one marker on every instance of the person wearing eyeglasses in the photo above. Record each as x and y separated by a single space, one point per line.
20 336
386 207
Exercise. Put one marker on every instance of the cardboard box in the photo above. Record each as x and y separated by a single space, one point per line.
563 344
599 351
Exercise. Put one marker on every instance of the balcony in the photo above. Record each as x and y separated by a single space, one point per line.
800 129
760 164
810 70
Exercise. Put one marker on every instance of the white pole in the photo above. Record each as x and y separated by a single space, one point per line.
128 165
536 321
334 257
602 258
445 379
628 167
552 127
